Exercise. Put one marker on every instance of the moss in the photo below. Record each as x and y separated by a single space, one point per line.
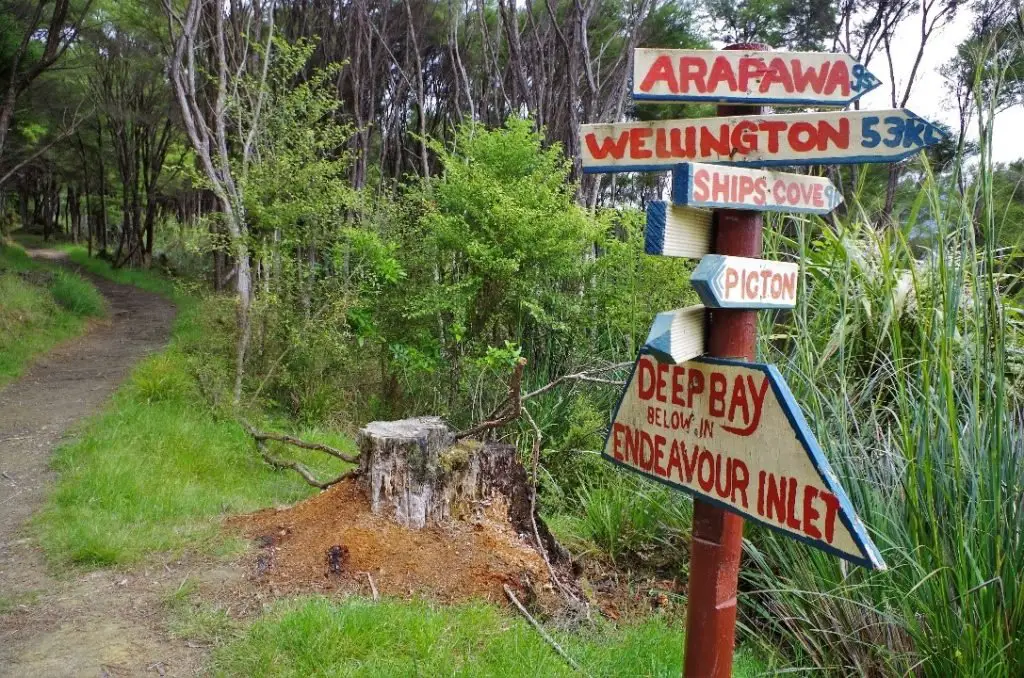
457 456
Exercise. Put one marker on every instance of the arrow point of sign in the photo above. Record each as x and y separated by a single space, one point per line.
677 336
704 277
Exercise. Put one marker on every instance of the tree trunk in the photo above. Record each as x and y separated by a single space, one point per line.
415 472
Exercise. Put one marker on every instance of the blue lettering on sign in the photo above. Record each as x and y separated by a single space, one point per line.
933 135
895 131
870 137
912 133
863 80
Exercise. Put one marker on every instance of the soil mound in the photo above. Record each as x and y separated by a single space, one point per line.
331 541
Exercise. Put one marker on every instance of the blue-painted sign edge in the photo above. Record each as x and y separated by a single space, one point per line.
872 558
654 231
839 103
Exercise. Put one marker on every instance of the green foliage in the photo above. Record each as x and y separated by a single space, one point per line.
317 637
41 306
77 295
158 470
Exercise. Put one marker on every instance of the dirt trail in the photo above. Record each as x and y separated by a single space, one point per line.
106 623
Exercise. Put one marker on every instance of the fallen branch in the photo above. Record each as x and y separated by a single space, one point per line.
301 469
373 587
290 440
535 464
543 634
261 438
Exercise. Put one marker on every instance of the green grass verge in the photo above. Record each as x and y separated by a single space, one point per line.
318 637
40 306
160 468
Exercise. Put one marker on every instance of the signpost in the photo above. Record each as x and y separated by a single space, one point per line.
738 282
722 427
731 434
749 77
700 185
828 138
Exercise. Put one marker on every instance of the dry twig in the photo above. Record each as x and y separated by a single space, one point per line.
543 634
261 438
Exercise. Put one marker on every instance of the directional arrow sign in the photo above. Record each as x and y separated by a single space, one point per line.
739 282
675 231
731 434
677 336
795 78
792 139
700 185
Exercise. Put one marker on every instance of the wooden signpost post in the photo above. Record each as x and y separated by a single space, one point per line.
722 427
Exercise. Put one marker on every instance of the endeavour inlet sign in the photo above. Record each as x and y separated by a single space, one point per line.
699 185
792 139
749 77
732 434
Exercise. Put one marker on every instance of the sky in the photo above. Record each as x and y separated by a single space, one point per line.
931 98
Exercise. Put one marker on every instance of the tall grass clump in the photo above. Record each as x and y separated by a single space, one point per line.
906 359
77 295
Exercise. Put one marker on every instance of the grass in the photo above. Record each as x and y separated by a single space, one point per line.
357 637
159 469
41 306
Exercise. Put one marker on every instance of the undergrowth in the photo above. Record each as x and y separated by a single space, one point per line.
159 468
40 306
357 637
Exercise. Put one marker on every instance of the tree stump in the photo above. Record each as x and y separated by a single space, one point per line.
415 472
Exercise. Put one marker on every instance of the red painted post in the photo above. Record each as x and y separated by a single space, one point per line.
718 534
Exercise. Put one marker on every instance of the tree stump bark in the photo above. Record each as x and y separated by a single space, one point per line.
415 472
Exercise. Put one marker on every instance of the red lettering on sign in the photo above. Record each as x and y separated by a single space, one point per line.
810 513
716 403
659 454
709 143
840 137
804 77
744 136
802 136
740 480
692 69
660 71
706 462
757 398
776 500
739 399
831 510
750 68
774 128
777 73
791 520
609 146
701 190
721 71
725 491
637 139
617 432
675 460
838 78
646 373
695 386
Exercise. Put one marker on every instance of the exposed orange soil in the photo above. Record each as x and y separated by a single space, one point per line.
451 563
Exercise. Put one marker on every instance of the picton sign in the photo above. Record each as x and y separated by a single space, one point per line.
692 416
